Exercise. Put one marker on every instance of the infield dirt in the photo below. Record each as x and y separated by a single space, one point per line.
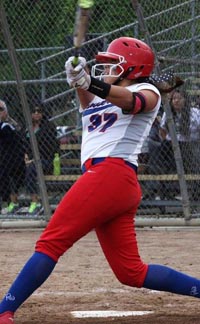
83 281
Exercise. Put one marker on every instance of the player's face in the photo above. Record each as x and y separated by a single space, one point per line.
111 75
108 71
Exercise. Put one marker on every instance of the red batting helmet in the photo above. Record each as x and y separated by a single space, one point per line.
135 58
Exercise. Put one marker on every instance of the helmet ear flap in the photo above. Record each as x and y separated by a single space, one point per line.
124 75
127 72
131 69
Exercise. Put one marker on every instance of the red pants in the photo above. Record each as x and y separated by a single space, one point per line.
104 198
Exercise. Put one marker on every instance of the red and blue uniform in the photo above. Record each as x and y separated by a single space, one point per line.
105 198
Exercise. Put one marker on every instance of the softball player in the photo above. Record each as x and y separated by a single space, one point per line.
118 107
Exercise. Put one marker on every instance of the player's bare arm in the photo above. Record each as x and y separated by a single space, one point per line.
125 99
120 97
85 97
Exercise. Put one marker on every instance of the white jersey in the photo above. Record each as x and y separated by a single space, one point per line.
107 132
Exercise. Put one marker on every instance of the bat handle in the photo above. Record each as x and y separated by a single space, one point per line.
75 60
76 56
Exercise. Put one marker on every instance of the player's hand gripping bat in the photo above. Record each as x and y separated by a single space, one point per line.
81 25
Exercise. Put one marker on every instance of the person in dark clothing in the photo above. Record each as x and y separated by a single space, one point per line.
12 164
45 132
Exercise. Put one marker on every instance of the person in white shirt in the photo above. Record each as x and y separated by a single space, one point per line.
187 124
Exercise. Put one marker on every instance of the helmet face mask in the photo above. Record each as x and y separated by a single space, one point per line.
131 57
114 67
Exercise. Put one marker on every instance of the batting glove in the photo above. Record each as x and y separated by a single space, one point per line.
77 77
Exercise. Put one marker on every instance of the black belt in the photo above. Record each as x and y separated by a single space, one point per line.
101 159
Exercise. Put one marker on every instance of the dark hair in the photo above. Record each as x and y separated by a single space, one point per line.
36 109
33 103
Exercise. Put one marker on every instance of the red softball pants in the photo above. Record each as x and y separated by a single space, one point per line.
105 198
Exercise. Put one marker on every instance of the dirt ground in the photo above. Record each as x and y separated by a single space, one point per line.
82 280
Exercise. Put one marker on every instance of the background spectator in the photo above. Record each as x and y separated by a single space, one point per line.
181 114
187 125
12 165
45 132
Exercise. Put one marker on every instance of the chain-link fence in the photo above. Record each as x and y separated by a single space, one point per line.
42 34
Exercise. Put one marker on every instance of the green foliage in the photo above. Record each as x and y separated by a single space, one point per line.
36 23
46 27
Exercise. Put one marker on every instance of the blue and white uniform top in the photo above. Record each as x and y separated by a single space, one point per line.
107 132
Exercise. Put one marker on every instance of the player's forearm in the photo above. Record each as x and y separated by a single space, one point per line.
120 97
85 97
129 102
